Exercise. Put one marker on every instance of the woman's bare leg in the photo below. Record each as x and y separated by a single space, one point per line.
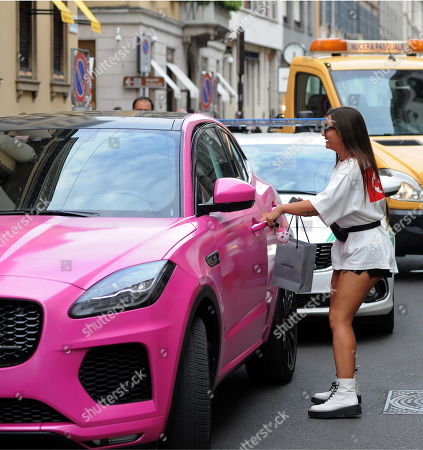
348 292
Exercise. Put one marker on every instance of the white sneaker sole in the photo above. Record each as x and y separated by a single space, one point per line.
319 401
347 412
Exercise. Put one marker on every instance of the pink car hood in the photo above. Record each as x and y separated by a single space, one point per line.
81 251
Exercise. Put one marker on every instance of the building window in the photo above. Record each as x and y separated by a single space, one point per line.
25 39
310 15
273 10
298 14
268 9
286 12
264 8
58 45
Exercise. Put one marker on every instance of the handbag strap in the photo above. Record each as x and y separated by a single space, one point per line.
296 227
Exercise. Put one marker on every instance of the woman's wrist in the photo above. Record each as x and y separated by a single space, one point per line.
280 209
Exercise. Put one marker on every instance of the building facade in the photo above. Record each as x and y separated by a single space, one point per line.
116 51
387 20
300 21
263 35
187 41
35 57
186 38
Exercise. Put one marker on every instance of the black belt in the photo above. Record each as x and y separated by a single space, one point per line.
342 233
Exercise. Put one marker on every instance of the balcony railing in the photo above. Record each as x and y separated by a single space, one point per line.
205 20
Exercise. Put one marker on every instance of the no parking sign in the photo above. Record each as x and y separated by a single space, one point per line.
80 78
206 91
208 88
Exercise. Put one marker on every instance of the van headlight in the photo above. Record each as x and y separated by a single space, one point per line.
410 190
129 288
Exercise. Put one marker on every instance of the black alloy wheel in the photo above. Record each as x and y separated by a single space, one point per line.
274 362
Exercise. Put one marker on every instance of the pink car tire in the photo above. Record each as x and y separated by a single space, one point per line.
189 424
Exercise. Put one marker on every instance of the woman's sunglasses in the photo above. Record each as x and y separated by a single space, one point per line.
327 127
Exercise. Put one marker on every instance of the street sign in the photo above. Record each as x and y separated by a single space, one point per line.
206 90
153 82
147 82
131 82
80 78
145 55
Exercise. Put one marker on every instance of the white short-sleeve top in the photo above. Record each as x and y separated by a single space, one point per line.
343 201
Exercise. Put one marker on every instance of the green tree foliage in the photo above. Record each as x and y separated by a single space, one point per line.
231 5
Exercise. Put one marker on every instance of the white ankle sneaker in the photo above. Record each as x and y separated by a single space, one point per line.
321 397
342 402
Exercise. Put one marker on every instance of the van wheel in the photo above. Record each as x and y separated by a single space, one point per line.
274 362
190 419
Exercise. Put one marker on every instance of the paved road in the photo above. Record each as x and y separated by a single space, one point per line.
242 411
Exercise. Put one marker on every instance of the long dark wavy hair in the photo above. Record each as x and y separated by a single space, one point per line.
350 125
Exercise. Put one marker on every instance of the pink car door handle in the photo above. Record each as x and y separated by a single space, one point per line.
258 226
261 225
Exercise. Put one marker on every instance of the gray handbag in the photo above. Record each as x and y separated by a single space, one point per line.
294 263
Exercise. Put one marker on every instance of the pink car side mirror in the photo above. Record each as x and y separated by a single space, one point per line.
230 194
233 190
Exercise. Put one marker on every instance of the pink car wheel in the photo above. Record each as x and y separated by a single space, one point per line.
190 418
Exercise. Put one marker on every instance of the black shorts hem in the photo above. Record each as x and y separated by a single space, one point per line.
383 273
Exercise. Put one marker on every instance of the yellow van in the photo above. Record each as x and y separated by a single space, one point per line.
384 81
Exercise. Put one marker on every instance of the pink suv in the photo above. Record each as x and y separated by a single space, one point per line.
131 281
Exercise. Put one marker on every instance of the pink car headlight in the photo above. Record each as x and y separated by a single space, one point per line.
129 288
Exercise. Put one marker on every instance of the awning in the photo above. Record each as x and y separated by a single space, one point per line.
223 93
168 80
95 24
193 89
65 12
226 85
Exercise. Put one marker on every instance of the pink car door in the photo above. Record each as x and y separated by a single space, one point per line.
243 264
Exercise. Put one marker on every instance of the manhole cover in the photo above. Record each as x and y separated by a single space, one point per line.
404 402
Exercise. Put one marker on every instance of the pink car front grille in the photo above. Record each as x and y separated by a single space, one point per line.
24 410
120 371
20 330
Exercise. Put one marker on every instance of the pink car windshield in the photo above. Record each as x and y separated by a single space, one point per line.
105 172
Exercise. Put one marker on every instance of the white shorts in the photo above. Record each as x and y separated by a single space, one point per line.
368 249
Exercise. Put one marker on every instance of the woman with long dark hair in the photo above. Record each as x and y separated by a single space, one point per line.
353 205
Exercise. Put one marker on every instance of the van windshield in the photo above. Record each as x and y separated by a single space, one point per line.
391 101
90 172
